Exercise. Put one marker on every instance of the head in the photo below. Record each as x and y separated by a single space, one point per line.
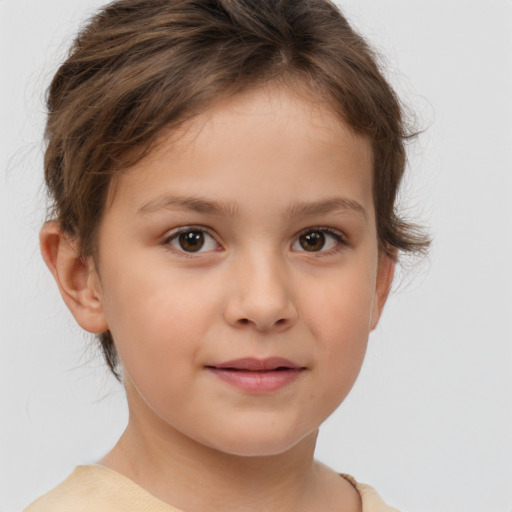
143 76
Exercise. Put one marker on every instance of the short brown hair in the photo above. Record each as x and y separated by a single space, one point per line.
141 66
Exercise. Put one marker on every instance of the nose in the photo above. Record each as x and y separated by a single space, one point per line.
260 294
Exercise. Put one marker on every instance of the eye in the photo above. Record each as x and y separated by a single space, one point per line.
192 240
318 240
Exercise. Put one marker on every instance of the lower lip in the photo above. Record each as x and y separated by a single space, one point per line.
258 381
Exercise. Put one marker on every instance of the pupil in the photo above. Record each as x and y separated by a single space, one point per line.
192 241
312 241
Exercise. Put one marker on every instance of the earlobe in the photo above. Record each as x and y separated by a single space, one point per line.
385 274
76 278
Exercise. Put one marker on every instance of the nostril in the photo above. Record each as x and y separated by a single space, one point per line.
246 321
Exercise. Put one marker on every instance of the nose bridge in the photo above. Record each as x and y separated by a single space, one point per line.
262 293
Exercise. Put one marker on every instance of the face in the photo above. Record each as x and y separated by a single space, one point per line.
239 274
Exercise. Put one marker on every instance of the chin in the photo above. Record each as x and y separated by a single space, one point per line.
267 442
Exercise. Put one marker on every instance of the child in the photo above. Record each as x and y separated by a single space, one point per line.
224 175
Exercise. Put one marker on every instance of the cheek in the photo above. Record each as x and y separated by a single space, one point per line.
157 321
339 318
339 311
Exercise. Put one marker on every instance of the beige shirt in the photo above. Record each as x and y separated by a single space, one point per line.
100 489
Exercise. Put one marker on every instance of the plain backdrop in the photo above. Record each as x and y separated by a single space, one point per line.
428 423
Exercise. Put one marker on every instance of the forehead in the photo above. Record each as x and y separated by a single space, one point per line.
294 109
284 137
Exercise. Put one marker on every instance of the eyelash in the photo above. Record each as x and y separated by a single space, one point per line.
187 229
336 235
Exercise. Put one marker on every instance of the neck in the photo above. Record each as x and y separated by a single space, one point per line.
173 467
193 476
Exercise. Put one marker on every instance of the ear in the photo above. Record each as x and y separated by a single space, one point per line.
77 278
385 273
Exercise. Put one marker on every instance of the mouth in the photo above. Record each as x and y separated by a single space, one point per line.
257 375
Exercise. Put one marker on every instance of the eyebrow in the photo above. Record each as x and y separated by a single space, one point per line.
325 206
297 209
192 203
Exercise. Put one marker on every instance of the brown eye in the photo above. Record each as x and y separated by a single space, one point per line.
321 240
191 241
312 241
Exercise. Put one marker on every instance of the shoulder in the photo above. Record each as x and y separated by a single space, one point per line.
100 489
370 499
75 493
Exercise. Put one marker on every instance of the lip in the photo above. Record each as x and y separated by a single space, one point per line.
257 375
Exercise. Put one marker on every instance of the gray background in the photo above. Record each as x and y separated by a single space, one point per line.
428 422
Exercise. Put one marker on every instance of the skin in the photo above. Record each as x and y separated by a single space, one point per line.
257 173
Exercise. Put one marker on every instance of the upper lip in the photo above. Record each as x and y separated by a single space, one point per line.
254 364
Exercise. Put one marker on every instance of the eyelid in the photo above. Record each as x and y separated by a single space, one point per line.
175 233
336 234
